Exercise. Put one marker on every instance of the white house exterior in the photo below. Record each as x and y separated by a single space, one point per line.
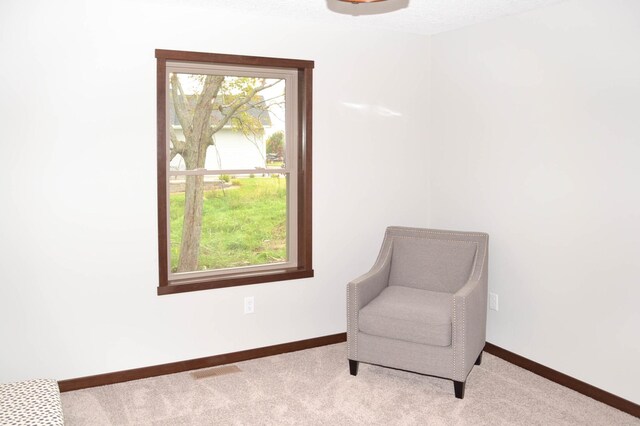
231 150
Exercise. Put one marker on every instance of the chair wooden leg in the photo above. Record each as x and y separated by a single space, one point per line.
479 360
353 367
458 387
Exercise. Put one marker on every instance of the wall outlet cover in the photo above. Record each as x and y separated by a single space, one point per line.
493 301
249 305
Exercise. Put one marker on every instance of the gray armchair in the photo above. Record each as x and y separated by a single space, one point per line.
423 305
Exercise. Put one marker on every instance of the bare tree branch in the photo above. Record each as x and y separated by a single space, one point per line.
201 124
180 105
241 102
177 146
267 106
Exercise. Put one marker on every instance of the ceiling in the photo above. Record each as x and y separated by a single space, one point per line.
412 16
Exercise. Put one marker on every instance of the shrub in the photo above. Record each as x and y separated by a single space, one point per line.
225 178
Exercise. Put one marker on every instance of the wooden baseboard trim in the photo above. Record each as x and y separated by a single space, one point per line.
195 364
564 380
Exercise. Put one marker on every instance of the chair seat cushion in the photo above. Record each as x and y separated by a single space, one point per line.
410 314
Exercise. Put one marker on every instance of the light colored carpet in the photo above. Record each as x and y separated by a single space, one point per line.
313 387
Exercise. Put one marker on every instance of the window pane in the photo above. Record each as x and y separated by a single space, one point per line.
244 221
221 122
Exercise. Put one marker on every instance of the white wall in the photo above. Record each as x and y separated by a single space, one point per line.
535 138
78 220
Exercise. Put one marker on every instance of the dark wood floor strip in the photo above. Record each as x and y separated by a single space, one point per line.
216 360
564 380
195 364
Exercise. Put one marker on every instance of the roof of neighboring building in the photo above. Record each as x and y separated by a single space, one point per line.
261 114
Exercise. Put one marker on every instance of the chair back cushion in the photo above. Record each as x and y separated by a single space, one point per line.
431 264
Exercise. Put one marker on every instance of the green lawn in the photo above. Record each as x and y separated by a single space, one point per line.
244 225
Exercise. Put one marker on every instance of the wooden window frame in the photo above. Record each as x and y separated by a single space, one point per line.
304 268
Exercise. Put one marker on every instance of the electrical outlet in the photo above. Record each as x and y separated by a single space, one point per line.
249 305
493 301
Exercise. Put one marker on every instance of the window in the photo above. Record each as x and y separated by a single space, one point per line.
234 170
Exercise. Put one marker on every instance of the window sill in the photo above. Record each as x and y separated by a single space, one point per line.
212 283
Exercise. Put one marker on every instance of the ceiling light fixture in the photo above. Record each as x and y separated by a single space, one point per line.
361 1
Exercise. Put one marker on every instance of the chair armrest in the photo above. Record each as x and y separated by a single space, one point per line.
469 323
363 290
368 286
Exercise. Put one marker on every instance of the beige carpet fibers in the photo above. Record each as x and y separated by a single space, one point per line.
313 387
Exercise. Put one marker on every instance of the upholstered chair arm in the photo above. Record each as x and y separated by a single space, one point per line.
468 325
363 290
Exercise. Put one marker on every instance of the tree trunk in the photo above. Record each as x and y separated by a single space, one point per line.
198 139
192 224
